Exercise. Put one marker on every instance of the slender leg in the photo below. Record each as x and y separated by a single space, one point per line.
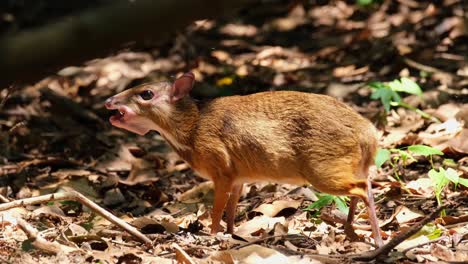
372 215
348 227
221 196
352 210
232 206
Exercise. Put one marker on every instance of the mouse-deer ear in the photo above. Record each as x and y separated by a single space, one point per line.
182 86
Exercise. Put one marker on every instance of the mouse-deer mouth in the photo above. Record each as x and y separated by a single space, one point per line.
119 114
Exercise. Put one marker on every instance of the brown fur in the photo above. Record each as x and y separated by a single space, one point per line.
284 136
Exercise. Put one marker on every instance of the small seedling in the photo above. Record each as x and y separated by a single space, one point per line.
389 94
327 199
441 179
404 155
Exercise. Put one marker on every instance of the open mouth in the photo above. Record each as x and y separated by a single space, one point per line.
118 114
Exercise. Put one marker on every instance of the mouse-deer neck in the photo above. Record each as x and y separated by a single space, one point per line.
178 125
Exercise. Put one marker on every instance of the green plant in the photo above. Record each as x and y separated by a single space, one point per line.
441 179
327 199
403 155
389 94
366 2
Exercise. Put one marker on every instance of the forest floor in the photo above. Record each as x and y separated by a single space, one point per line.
54 136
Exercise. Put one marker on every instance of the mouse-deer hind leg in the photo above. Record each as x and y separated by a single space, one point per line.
348 227
372 215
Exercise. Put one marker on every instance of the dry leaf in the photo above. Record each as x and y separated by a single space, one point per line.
277 206
405 215
250 227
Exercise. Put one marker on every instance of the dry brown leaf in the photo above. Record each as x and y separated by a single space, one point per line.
273 209
421 186
255 254
50 210
437 134
405 215
199 193
252 226
75 230
442 253
451 220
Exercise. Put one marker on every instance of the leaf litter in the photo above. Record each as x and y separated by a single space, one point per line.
321 47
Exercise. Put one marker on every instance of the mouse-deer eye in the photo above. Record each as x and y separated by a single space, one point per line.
146 95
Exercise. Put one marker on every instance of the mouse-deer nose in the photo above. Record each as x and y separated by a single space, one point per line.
108 103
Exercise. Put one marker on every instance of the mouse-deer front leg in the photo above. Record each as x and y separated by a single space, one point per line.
222 189
232 206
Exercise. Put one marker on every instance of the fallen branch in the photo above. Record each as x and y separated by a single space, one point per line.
181 256
41 243
71 107
385 249
76 196
426 68
4 99
3 199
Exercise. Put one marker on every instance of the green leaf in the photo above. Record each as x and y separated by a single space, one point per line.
385 96
453 176
410 86
323 201
463 182
449 163
341 204
405 85
382 156
424 150
405 155
364 2
438 179
378 85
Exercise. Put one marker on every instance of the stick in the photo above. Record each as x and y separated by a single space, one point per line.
41 243
76 196
3 199
3 101
385 249
181 256
71 107
425 68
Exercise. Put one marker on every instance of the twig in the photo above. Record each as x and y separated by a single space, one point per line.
3 199
261 240
3 101
76 196
425 68
181 256
71 107
41 243
385 249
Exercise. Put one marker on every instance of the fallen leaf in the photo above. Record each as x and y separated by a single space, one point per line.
257 223
442 253
421 186
405 215
273 209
